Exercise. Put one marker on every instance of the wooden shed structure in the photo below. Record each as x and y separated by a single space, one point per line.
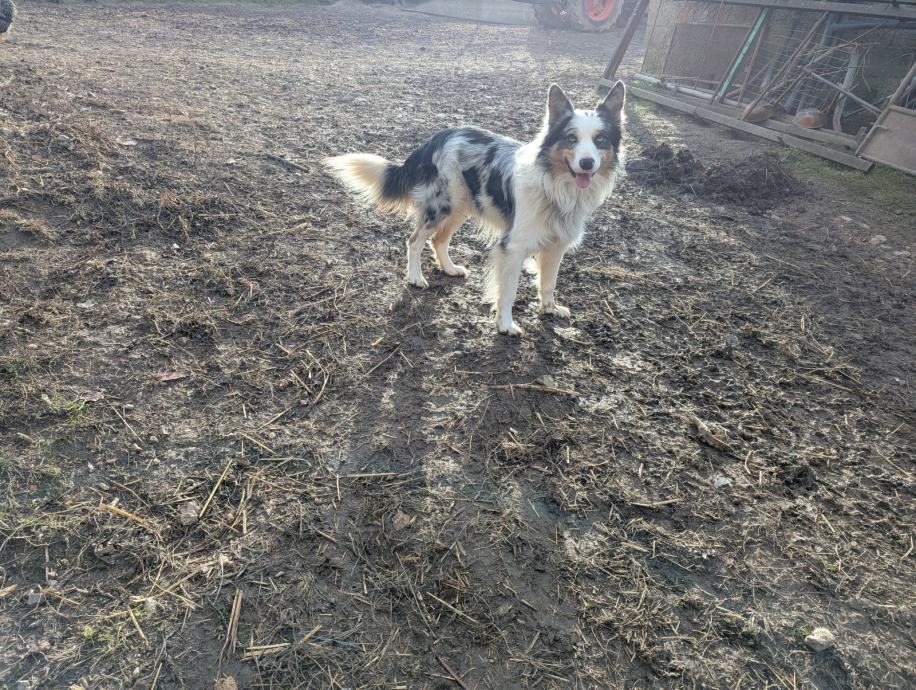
835 78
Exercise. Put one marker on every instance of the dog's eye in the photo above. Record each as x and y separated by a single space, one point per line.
572 139
601 140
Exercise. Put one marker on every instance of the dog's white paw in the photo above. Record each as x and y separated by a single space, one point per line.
512 329
556 309
418 282
456 271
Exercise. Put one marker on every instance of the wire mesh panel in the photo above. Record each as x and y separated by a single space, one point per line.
803 65
700 53
684 36
778 61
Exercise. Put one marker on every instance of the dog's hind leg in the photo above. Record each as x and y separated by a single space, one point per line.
415 244
548 260
440 245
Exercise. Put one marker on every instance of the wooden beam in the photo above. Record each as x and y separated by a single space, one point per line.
729 109
621 49
822 135
885 10
768 134
843 90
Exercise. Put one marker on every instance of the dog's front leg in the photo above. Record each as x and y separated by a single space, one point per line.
510 259
548 259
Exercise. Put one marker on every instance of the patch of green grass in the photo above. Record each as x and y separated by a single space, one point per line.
75 409
50 469
638 109
76 414
88 633
638 105
103 635
888 188
140 612
45 522
107 637
12 368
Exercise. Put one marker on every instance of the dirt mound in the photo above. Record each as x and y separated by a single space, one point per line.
661 165
758 183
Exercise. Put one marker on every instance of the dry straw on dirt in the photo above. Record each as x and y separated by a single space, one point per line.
238 452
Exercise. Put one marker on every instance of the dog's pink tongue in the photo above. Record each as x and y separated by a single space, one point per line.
583 180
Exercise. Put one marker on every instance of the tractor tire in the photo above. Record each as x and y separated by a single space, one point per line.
593 15
551 15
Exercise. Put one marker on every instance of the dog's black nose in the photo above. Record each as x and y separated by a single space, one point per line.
587 163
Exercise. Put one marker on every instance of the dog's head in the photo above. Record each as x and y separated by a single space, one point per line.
582 143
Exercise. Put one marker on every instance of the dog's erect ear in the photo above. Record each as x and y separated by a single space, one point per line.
613 102
558 105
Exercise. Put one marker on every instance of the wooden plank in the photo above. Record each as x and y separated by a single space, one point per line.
897 95
762 132
862 9
843 90
825 137
893 141
621 49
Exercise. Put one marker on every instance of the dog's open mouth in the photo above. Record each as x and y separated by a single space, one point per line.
583 180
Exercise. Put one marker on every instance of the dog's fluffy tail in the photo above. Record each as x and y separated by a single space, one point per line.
373 179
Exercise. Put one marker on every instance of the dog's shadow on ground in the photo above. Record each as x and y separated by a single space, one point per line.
434 337
391 411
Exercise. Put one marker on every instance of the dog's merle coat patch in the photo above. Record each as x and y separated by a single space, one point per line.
485 161
472 180
555 135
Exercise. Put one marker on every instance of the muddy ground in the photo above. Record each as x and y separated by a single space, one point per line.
235 444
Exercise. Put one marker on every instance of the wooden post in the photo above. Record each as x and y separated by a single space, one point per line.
628 32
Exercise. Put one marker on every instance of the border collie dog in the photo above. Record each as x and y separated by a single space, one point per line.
533 198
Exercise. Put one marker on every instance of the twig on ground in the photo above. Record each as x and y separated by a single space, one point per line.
284 161
206 505
452 672
127 515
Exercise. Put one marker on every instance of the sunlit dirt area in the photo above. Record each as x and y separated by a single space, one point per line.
235 444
